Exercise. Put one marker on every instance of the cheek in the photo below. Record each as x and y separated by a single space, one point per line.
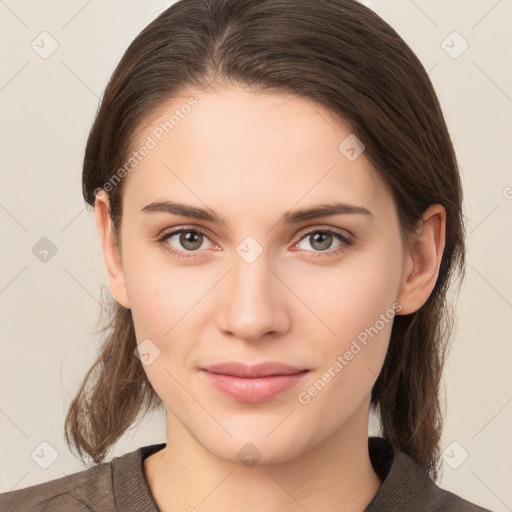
342 301
161 293
164 305
355 305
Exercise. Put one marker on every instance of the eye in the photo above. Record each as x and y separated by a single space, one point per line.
321 240
191 240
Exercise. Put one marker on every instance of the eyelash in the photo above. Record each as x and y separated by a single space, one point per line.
345 242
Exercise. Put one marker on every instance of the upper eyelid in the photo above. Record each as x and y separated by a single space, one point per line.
338 231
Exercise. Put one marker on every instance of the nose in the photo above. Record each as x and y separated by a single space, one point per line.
254 302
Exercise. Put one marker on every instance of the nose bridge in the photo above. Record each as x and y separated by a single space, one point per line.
252 278
253 302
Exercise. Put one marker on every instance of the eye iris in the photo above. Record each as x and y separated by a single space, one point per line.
325 240
190 237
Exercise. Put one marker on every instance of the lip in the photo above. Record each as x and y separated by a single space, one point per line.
253 383
256 370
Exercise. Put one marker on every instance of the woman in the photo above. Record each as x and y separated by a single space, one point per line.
280 211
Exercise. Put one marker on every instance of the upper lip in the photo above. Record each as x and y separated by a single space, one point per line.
257 370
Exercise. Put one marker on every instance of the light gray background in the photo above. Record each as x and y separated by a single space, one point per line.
49 311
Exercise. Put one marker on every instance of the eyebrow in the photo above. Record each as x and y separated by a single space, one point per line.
289 217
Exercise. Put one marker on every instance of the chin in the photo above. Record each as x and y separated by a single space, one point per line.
254 447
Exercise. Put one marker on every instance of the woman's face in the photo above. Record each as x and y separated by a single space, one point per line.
263 283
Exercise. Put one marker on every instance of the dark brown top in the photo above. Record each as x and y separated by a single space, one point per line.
120 486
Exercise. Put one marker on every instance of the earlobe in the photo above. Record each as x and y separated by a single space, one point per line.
423 259
111 250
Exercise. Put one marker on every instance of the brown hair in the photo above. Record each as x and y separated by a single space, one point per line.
342 55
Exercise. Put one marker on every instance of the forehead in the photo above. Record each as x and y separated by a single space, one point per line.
253 150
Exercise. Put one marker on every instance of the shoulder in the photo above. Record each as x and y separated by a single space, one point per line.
87 490
425 489
408 486
106 487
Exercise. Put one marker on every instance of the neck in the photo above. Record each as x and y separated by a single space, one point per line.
335 475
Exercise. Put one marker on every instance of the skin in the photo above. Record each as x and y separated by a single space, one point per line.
251 157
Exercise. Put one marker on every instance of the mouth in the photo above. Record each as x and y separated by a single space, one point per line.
256 383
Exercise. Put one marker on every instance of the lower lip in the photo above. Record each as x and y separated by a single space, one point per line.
254 390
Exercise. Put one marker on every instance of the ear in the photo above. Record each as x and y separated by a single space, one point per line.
422 260
111 249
